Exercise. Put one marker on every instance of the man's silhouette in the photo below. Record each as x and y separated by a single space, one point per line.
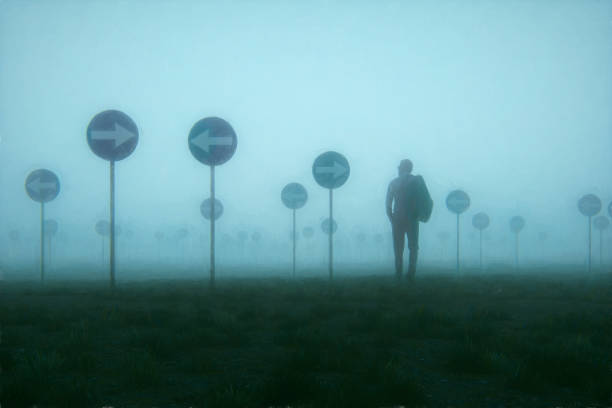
401 205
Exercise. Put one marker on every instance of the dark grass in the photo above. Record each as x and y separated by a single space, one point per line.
500 340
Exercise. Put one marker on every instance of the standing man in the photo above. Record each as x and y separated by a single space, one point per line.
408 202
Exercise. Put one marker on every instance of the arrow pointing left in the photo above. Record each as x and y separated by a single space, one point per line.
119 135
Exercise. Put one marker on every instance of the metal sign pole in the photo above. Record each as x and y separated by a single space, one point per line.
516 251
42 242
589 243
330 233
600 248
212 226
112 224
294 242
480 250
457 243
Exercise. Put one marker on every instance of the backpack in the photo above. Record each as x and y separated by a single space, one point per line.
419 199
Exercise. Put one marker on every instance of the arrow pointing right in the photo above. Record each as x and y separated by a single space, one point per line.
336 170
119 135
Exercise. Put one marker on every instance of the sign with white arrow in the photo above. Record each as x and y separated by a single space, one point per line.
331 170
205 209
294 196
589 205
480 221
212 141
457 201
42 185
112 135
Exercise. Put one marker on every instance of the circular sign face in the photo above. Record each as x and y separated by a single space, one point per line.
480 221
112 135
457 201
159 235
589 205
517 223
206 209
325 226
42 185
601 223
242 236
308 232
51 227
14 235
103 228
212 141
331 170
256 236
294 196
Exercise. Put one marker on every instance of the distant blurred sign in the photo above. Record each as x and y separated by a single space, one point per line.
331 170
159 235
206 210
325 226
182 233
589 205
42 185
112 135
308 232
103 228
457 201
243 236
256 236
51 227
601 223
294 196
480 221
378 238
517 223
212 141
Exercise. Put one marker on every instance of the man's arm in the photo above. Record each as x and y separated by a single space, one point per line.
389 202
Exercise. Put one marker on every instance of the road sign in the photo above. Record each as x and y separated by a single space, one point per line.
325 226
205 209
256 236
331 170
182 233
457 201
308 232
589 205
480 221
212 141
103 228
112 135
51 228
294 196
601 223
42 185
517 223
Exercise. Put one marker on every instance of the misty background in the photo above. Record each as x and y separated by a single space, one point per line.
510 101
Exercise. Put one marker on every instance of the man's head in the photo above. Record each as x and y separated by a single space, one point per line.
405 167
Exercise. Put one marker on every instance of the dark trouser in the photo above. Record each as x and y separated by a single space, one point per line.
409 228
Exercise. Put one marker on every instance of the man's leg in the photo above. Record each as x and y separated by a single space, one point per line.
413 246
398 247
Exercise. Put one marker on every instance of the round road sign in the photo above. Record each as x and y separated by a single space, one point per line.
294 196
205 209
517 223
331 170
103 228
182 233
480 221
601 223
112 135
325 226
42 185
457 201
212 141
308 232
51 227
589 205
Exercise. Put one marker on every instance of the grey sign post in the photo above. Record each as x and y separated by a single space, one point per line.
294 196
517 223
331 170
589 205
457 202
601 223
212 141
480 221
51 227
42 186
112 135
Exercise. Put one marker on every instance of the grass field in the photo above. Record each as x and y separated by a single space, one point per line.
541 340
